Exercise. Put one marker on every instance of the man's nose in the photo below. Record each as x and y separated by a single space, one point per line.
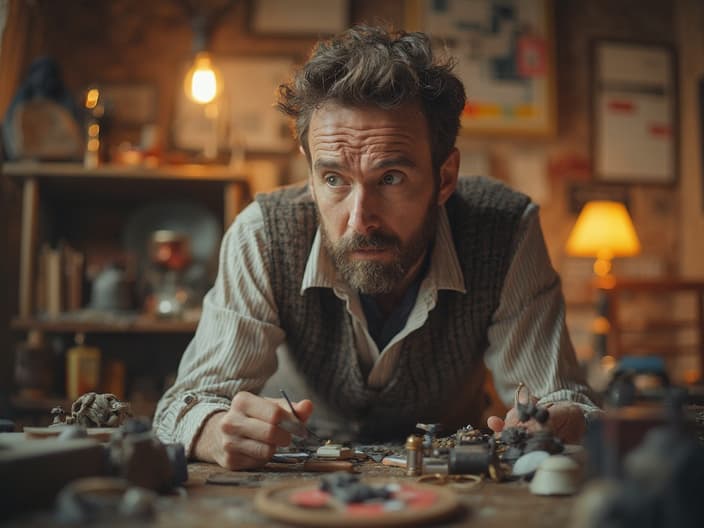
363 217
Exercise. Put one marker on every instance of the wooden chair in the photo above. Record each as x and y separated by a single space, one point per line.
663 317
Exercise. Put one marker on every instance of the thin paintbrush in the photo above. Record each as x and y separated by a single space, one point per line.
301 422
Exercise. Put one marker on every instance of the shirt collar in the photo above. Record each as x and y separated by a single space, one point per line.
444 272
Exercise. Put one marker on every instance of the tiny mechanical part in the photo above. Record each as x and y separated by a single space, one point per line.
334 451
414 455
468 435
306 430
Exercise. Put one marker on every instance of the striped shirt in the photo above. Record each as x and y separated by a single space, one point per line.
236 342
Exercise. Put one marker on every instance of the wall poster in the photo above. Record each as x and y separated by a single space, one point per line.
634 107
505 57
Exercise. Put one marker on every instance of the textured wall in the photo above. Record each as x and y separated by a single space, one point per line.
149 41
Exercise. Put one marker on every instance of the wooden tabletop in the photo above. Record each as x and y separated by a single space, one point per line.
489 505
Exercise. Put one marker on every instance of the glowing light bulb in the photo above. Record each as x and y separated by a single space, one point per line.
202 83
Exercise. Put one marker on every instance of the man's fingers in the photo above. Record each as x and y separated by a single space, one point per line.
256 429
495 423
253 449
303 408
254 406
232 459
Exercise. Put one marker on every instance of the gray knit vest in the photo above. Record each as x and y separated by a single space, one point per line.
436 361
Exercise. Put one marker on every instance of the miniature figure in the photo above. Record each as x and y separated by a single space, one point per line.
94 410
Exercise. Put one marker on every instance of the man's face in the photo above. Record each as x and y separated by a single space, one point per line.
372 180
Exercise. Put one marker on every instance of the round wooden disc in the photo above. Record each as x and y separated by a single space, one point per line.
422 503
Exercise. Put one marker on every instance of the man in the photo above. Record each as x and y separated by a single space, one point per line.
391 281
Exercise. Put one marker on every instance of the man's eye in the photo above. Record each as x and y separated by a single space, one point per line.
333 180
391 178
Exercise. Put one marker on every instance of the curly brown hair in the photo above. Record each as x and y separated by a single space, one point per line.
367 65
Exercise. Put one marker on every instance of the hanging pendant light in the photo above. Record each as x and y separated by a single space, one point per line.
203 82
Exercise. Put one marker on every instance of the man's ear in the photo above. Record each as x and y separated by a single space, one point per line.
449 171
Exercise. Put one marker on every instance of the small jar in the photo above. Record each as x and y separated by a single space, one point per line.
414 456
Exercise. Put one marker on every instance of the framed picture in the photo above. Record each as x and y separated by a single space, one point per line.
303 17
246 116
634 105
505 56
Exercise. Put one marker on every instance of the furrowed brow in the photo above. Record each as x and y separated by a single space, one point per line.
326 164
399 161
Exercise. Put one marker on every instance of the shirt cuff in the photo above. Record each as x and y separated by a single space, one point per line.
191 420
589 409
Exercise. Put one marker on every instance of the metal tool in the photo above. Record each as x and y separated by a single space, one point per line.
304 431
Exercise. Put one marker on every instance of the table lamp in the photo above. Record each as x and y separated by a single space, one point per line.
603 230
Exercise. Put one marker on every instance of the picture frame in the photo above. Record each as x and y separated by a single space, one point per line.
309 18
504 54
634 112
247 117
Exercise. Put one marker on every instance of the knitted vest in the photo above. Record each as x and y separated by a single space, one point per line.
438 360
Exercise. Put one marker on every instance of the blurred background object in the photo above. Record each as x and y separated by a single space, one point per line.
42 121
175 245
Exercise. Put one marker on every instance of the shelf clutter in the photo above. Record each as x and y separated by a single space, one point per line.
80 278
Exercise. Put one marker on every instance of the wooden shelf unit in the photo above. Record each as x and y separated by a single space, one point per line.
88 209
73 180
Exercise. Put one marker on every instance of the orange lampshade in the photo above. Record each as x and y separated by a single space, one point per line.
604 230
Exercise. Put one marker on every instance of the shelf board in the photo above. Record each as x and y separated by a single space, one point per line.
124 325
32 169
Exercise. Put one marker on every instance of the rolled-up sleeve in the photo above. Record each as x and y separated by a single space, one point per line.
528 338
234 347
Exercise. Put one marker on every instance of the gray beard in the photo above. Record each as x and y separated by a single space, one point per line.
372 277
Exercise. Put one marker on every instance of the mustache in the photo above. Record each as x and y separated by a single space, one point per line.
357 242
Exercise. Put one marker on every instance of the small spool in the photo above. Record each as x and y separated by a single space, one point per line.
474 461
414 456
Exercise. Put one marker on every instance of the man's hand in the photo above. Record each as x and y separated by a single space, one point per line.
247 435
566 421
